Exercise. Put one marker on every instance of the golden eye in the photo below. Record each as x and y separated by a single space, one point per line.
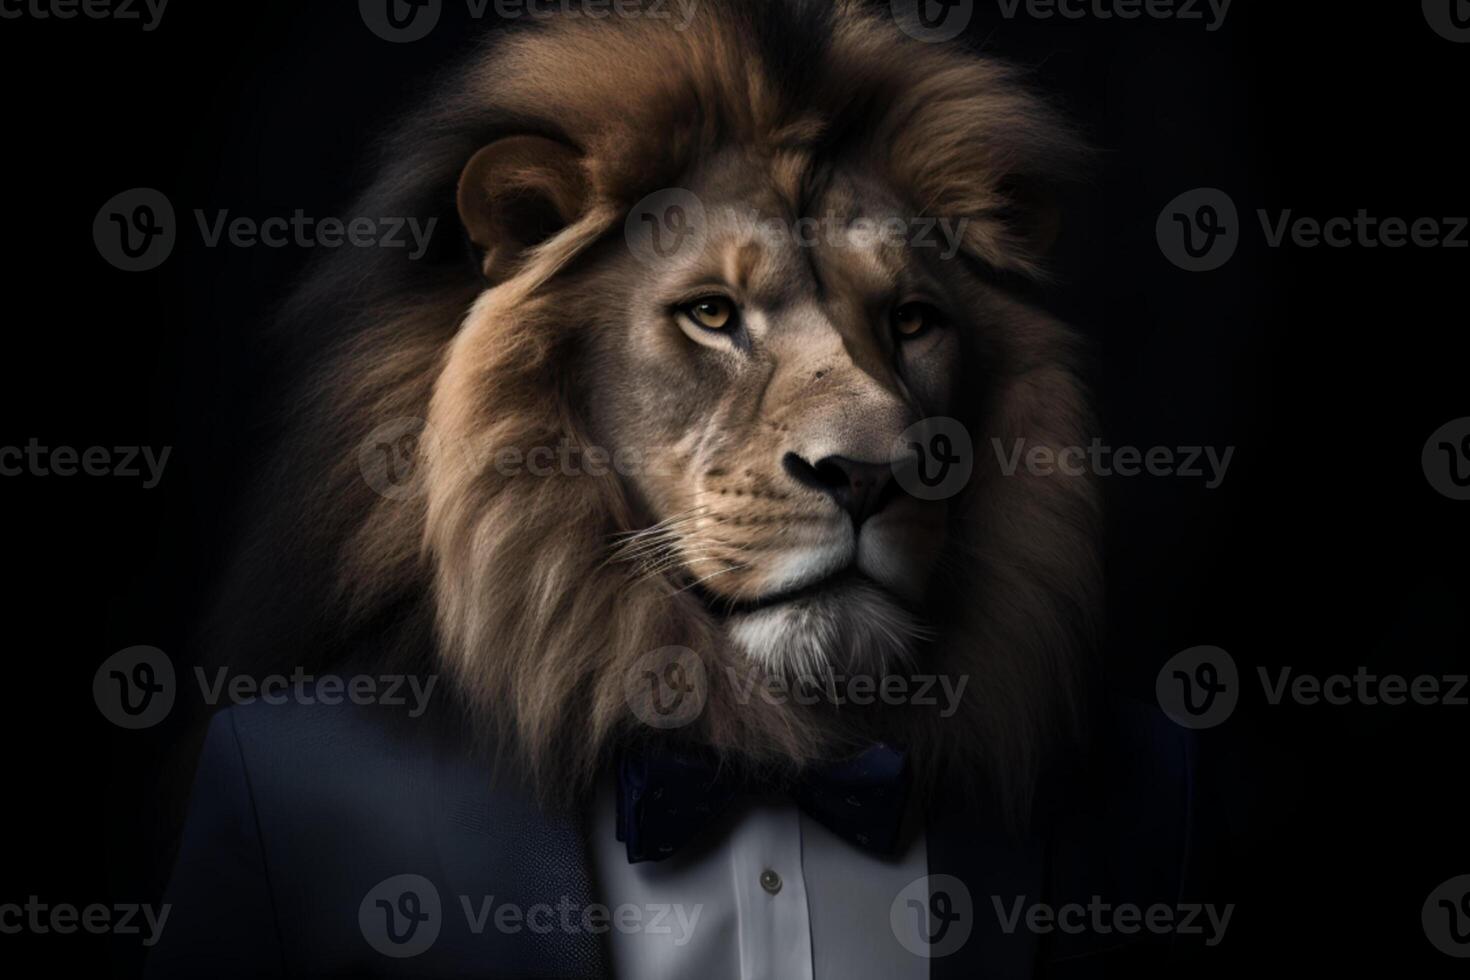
912 319
712 312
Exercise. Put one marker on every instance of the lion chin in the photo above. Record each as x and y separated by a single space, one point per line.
851 625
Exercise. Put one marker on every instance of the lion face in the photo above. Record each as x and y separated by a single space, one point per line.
757 380
765 372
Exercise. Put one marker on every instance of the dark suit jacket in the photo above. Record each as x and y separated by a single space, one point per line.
298 812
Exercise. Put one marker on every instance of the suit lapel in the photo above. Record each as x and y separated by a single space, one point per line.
493 839
996 872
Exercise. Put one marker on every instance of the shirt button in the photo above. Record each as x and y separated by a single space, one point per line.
770 881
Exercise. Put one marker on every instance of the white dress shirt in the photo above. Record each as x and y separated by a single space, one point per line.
767 893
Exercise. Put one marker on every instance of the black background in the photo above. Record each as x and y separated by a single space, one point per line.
1325 549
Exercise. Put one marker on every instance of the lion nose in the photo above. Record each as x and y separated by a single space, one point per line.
861 489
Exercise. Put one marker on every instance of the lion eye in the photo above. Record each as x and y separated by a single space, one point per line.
912 319
711 313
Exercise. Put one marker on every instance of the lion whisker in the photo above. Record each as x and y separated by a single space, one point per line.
705 578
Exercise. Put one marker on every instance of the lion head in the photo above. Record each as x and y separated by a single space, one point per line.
674 402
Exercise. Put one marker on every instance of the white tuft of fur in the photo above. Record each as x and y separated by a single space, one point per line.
854 628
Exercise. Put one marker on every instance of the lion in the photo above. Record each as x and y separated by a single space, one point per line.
761 386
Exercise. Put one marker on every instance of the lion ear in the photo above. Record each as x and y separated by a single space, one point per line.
517 193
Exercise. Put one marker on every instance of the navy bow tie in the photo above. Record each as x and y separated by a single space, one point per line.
667 797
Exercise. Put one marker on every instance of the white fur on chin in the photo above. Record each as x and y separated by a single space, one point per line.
854 627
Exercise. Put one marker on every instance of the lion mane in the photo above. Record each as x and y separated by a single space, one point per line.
504 582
